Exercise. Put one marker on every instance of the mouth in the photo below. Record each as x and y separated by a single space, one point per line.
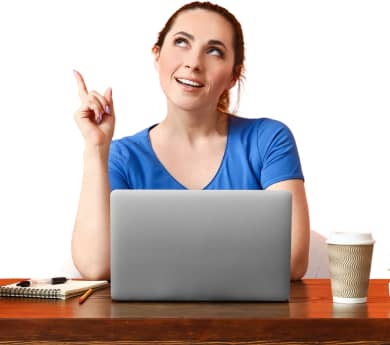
189 83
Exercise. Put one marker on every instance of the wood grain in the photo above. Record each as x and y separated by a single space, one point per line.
260 342
310 317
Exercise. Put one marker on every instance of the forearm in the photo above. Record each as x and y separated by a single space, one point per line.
300 236
300 226
91 234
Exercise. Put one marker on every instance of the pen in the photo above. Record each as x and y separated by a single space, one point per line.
85 296
54 280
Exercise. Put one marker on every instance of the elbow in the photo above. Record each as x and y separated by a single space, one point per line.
93 271
298 269
89 269
297 274
299 262
91 266
96 274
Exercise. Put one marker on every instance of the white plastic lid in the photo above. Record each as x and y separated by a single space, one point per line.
350 238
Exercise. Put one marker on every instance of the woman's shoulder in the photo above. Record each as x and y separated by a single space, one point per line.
131 138
261 124
126 145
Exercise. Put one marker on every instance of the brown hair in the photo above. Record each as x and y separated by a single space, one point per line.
238 44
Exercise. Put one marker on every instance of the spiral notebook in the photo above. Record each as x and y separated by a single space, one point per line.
48 291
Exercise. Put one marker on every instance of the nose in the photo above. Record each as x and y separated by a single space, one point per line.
193 61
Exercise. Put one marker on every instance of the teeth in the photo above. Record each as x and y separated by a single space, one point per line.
189 82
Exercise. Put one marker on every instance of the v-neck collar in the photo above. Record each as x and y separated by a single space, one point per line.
170 175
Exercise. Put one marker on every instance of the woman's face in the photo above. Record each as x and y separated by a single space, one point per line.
195 63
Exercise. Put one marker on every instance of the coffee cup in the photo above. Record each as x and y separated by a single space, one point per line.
350 256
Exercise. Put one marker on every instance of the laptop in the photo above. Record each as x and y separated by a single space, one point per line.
200 245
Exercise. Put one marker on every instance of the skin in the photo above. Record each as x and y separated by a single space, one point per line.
90 240
190 142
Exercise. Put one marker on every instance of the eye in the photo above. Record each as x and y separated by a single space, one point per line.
215 51
180 42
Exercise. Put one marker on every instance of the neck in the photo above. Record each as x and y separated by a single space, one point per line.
193 126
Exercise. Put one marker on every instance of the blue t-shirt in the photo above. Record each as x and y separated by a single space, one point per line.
258 153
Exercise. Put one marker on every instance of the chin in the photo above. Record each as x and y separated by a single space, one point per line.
190 105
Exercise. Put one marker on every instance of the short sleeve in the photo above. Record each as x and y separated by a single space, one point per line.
116 168
278 154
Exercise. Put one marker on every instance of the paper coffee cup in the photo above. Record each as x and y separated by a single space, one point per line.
350 257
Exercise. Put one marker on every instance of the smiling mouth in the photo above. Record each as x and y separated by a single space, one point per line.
187 82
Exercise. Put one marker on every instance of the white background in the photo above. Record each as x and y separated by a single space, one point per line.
322 67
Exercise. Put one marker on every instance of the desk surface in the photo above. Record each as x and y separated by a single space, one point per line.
310 315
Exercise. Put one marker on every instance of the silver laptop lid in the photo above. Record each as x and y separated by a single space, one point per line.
200 245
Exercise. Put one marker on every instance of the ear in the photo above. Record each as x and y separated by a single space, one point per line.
236 75
232 83
156 56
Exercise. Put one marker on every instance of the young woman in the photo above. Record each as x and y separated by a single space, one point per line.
198 145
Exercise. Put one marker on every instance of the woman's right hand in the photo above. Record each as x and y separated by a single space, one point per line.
96 116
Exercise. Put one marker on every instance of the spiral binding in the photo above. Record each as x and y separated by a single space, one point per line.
29 292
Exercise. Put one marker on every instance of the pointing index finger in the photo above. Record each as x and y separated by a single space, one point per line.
83 91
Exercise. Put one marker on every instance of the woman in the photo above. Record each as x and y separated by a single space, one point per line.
198 145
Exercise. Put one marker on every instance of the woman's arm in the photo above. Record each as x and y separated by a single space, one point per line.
300 236
91 234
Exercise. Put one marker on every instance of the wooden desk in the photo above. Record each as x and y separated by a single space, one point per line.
310 317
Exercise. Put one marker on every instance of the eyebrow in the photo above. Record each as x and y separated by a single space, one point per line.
192 38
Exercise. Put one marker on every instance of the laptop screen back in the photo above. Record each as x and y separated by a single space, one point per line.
200 245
